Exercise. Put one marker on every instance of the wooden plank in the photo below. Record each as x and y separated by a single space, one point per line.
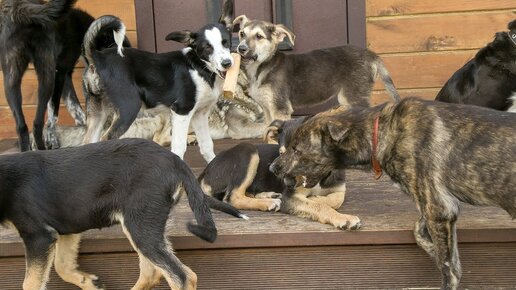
120 8
436 32
8 124
485 266
379 97
401 7
424 70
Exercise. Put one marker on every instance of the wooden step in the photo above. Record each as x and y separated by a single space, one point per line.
278 251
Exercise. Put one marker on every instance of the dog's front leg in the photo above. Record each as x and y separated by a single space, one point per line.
333 200
202 132
65 262
180 126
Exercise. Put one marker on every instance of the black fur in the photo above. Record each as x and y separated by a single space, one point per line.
489 79
136 182
49 35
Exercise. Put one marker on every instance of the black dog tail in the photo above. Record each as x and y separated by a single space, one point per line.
26 12
205 227
386 79
104 32
224 207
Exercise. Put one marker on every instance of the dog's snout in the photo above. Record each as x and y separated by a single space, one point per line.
242 48
274 168
226 63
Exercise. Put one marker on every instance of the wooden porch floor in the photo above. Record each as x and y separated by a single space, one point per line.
278 251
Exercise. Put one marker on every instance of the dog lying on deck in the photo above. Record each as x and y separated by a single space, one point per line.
439 154
187 81
241 176
48 34
489 79
281 83
52 196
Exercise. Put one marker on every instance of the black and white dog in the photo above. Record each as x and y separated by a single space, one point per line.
48 34
187 81
52 196
489 79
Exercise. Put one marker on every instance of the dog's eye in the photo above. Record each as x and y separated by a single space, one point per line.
242 34
259 36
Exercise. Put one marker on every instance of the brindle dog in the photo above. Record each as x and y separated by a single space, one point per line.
440 154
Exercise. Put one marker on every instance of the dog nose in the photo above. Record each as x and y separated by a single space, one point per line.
242 48
226 63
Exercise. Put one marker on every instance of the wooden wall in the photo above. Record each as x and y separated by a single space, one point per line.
121 8
424 42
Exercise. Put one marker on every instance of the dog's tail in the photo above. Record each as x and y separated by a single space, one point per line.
381 70
104 32
224 207
27 12
205 227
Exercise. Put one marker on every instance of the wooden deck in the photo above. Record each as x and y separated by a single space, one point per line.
278 251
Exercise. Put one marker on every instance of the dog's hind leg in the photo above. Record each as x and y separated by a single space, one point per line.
39 253
65 263
44 63
72 102
13 69
97 116
149 240
423 238
51 139
441 227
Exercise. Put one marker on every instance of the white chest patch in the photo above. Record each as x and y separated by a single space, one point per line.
206 95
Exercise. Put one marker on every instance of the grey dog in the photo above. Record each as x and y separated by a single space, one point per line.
440 154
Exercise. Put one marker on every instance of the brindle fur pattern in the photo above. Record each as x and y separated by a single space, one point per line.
440 154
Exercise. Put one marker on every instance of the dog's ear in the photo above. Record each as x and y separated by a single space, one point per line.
336 130
271 133
280 31
185 36
226 17
240 21
512 25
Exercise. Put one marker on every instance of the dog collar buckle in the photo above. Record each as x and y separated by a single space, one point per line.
377 168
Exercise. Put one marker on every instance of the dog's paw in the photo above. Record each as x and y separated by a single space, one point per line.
51 140
268 194
275 205
347 222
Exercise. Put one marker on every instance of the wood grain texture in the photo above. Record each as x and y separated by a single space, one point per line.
124 9
402 7
427 70
436 32
380 96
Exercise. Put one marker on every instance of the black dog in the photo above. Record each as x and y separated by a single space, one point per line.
241 176
489 79
187 81
53 196
48 34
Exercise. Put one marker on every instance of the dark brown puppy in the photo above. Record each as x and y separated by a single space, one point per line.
241 176
439 153
489 79
52 196
281 82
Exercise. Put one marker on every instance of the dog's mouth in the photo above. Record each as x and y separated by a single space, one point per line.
221 74
248 59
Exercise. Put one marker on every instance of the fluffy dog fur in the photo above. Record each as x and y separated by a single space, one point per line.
48 34
281 83
187 81
241 176
489 79
133 182
440 154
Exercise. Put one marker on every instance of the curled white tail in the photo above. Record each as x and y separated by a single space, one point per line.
119 36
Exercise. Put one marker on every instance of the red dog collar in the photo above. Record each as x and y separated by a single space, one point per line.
377 168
